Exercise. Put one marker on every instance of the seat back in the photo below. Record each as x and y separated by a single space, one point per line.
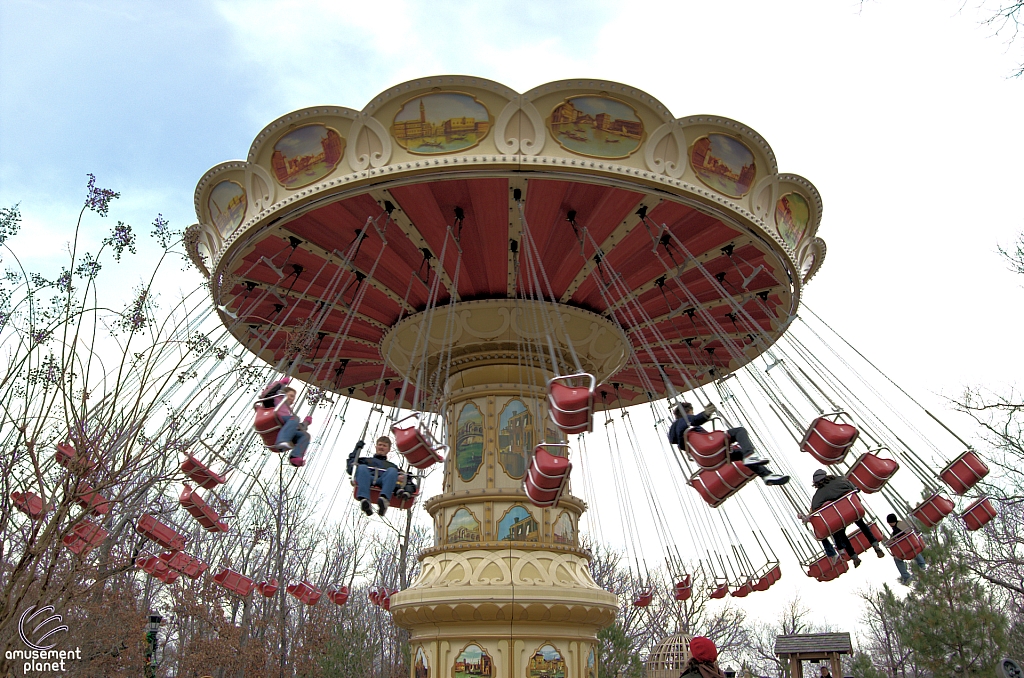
233 581
572 407
268 422
416 443
708 450
932 510
978 513
870 472
715 486
547 476
906 545
837 515
828 440
964 472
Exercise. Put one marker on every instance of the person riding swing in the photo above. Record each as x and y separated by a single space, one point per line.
378 471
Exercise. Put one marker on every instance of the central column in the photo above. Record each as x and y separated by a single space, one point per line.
505 591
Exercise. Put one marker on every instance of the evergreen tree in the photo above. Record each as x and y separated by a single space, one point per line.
952 622
862 667
616 656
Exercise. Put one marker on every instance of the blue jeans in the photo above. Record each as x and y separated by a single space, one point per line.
290 433
902 566
386 480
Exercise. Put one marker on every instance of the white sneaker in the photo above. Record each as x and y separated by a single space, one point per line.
283 447
775 479
754 459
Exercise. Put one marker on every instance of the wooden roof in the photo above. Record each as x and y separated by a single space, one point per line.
813 644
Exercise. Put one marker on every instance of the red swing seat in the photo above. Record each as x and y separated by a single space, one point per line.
158 569
151 528
572 407
31 504
339 597
68 457
708 450
823 569
964 472
978 513
906 545
683 588
719 592
765 581
267 589
200 474
201 511
743 590
717 485
403 503
932 510
385 601
828 439
860 542
304 592
837 515
416 443
644 598
547 476
188 565
84 537
91 500
376 594
268 421
234 582
870 472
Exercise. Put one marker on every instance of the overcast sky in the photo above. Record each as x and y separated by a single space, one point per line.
901 113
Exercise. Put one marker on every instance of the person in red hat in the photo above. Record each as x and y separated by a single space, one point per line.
703 662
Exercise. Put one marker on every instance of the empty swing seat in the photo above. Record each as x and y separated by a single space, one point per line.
188 565
416 443
823 569
547 476
267 589
304 592
644 598
743 590
376 594
200 474
836 515
683 588
708 450
870 472
84 537
339 596
201 511
91 500
978 513
829 439
237 583
932 510
765 581
68 457
158 569
906 545
151 528
385 601
964 472
30 503
268 422
715 486
860 542
572 407
719 592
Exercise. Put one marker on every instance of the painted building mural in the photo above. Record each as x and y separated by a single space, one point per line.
227 206
515 437
724 163
792 214
596 125
591 664
518 524
564 531
440 122
421 667
469 441
306 154
546 662
463 527
473 662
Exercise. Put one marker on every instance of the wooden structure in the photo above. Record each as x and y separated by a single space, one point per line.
819 647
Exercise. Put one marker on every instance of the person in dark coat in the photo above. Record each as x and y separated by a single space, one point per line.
703 661
386 478
898 527
828 488
685 418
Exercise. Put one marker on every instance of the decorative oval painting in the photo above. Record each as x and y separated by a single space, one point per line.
515 437
598 126
227 205
518 524
724 163
792 214
546 662
564 531
469 442
440 122
463 527
591 664
421 669
473 662
306 154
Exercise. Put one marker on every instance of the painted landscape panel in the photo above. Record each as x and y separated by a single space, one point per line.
473 662
469 442
306 154
227 206
440 122
598 126
792 214
723 163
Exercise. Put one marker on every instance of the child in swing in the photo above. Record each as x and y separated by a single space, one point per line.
292 437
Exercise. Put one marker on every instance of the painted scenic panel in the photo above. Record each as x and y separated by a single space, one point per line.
597 126
792 214
469 441
552 434
306 154
724 163
463 527
515 437
564 532
421 668
473 662
518 524
591 664
440 122
227 206
546 662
